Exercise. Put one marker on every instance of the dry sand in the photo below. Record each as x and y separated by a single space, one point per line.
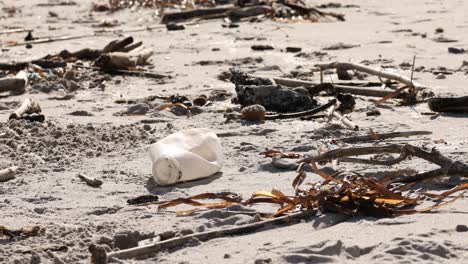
114 148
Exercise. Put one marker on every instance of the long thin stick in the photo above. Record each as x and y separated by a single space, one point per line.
47 40
303 113
382 136
16 30
146 74
205 236
370 70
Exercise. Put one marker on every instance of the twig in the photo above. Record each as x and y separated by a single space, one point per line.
47 40
303 113
412 70
8 174
16 30
345 121
205 236
382 136
370 70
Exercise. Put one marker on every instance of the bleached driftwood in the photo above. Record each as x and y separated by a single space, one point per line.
15 85
377 72
8 174
332 113
345 121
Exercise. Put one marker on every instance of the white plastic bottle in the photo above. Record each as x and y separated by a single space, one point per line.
185 156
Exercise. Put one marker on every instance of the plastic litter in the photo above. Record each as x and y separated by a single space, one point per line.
185 156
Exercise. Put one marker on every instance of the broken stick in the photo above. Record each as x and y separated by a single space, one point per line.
8 174
377 72
205 236
381 136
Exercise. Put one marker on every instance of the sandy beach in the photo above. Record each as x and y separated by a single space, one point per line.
88 130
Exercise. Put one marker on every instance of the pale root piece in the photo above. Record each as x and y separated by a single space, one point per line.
8 174
345 121
332 113
377 72
29 106
15 85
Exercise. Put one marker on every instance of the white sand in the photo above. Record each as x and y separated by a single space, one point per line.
47 192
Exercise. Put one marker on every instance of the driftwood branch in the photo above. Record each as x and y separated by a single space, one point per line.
377 72
8 174
205 236
448 167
